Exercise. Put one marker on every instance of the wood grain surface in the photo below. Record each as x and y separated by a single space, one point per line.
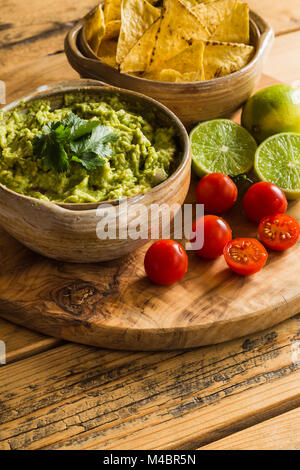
282 63
284 16
22 342
27 29
77 396
278 433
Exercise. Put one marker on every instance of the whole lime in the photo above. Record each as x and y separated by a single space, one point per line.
271 111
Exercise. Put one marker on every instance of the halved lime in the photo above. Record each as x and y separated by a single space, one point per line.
221 146
277 161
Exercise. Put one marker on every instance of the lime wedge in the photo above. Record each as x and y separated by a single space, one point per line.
277 161
221 146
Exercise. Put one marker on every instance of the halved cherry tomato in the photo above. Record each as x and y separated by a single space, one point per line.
166 262
217 192
279 232
264 199
245 256
216 232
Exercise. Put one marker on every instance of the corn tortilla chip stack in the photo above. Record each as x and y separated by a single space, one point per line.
94 28
137 16
172 40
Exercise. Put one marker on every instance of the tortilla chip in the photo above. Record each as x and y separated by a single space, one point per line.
235 26
171 75
107 52
94 28
190 3
139 57
212 13
190 60
221 59
137 16
112 29
112 10
179 28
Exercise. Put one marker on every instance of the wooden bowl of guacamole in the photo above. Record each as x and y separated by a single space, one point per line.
77 154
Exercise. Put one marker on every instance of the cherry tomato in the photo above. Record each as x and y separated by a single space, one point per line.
166 262
245 256
217 192
264 199
279 232
216 232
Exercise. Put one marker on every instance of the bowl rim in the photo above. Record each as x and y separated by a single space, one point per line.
69 86
255 21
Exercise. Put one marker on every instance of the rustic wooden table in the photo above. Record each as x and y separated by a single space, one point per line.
242 394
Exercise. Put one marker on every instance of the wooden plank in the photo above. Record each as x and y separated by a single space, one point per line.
21 343
280 433
283 16
31 30
283 62
80 397
36 73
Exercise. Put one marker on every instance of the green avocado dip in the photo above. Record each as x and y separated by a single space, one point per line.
123 153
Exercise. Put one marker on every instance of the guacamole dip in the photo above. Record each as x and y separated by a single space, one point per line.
140 156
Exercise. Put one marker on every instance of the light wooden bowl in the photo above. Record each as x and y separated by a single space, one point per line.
191 102
68 231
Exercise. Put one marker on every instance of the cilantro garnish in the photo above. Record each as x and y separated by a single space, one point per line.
73 139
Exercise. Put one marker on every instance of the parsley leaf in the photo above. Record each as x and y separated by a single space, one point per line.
50 147
79 127
88 160
73 139
95 143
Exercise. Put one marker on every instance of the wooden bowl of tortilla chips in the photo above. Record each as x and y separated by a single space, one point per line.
200 58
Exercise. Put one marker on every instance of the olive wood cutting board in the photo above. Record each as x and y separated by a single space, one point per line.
114 305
